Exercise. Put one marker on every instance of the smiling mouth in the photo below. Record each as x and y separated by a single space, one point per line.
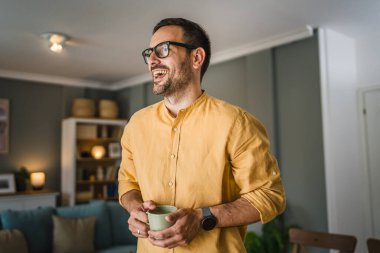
159 74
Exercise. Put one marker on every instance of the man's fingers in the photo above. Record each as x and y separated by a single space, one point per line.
142 216
167 240
170 242
138 233
163 234
149 205
138 228
139 215
174 216
136 225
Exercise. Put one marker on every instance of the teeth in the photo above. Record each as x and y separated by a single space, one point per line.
159 72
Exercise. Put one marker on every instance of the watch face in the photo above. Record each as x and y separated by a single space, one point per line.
208 223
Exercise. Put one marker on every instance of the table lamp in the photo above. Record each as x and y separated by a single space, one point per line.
98 152
37 180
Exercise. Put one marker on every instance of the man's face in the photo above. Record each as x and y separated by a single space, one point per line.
172 73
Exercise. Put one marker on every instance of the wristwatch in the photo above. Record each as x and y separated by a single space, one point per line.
208 221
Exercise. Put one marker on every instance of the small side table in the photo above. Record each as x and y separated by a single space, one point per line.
28 200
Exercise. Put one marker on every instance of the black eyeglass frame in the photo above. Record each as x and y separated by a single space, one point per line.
168 43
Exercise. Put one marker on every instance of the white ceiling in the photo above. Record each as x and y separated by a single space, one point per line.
109 35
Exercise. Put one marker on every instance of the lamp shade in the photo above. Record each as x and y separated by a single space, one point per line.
37 180
98 152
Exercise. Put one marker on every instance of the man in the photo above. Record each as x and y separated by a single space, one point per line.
208 158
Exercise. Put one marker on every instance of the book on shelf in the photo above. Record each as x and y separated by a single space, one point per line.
111 190
105 191
111 173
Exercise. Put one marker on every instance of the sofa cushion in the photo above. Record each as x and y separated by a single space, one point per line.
73 235
36 225
98 209
119 224
12 241
119 249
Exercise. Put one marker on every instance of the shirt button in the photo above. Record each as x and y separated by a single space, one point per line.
170 183
274 173
172 156
175 129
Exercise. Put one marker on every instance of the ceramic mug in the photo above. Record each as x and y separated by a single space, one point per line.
157 216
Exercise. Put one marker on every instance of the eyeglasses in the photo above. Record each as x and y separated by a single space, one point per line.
162 49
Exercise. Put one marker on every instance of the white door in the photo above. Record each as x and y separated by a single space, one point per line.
372 132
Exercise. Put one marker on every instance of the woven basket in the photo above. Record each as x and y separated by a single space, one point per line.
108 109
83 108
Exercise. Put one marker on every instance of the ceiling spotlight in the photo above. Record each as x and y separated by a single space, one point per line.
56 41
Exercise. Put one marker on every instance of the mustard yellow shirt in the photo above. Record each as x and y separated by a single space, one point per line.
211 153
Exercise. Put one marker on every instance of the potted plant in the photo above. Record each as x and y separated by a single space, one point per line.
21 178
274 238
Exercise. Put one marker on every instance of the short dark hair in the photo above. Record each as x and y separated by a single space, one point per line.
194 35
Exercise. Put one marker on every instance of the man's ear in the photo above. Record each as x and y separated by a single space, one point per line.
199 55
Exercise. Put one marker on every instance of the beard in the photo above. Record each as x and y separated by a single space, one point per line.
175 83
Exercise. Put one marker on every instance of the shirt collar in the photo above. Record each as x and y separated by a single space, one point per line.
195 104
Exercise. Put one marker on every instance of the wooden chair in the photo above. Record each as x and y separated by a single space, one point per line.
302 238
373 245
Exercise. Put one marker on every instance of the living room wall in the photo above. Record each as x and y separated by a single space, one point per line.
36 112
299 133
34 133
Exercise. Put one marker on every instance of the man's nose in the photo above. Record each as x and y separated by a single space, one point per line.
153 59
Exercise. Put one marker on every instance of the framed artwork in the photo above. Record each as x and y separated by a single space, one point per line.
114 150
7 183
4 126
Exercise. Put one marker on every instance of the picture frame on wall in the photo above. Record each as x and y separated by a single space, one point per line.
7 183
4 126
114 150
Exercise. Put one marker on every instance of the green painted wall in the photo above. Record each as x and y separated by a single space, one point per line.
299 130
36 112
35 128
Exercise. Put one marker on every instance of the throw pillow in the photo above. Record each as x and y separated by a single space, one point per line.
98 209
72 235
36 225
12 241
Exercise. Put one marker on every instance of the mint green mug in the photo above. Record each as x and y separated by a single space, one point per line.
157 216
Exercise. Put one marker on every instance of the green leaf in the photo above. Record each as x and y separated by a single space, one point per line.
253 243
274 239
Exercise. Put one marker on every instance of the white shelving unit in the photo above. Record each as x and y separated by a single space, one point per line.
79 179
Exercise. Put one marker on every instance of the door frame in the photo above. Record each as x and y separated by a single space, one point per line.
364 157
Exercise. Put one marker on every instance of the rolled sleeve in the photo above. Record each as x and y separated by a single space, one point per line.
269 203
255 169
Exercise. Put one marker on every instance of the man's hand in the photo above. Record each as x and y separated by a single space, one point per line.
138 219
186 226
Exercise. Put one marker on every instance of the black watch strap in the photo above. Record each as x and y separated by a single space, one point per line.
208 221
206 212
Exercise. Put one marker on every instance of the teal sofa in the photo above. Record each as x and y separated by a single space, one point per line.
111 233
